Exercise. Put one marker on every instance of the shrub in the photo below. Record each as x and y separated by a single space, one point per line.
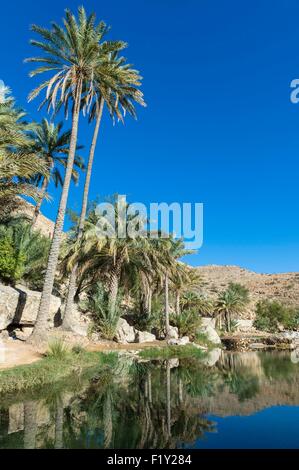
269 315
7 259
104 319
23 253
58 350
187 322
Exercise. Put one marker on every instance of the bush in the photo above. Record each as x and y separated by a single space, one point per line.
58 350
104 320
23 253
187 322
7 259
270 315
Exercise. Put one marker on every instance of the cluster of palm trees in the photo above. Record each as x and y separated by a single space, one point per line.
86 73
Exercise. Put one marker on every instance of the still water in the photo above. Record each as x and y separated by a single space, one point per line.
245 400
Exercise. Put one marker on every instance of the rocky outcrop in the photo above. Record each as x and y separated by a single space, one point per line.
125 333
208 328
282 287
173 332
144 337
19 305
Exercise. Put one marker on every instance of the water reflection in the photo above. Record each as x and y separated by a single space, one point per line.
150 404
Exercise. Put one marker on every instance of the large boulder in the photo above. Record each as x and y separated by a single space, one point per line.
125 333
208 329
19 305
144 337
9 298
173 332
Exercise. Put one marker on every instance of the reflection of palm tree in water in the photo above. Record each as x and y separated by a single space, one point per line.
30 424
107 420
59 424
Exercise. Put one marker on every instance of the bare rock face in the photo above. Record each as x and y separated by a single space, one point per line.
144 337
173 332
125 333
244 325
19 305
8 305
208 329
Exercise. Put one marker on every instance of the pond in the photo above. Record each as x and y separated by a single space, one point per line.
240 400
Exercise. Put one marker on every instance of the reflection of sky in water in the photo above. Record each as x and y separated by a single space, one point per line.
272 428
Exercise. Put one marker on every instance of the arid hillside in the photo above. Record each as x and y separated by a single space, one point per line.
281 287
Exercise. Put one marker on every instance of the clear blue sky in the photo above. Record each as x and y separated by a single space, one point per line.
219 127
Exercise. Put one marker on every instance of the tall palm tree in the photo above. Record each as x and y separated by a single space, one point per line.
18 163
52 145
71 56
116 86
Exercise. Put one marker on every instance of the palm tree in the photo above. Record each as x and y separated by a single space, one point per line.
117 86
52 145
71 56
18 163
230 302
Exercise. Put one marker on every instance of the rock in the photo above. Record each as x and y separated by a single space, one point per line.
211 333
212 357
208 321
258 346
124 332
144 337
179 341
16 418
20 305
8 305
23 334
244 325
4 335
81 322
173 332
173 362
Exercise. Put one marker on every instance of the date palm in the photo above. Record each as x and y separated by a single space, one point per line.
18 163
52 145
71 55
117 86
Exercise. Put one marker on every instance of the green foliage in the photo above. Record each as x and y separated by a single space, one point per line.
58 350
231 302
187 322
23 253
192 300
7 259
269 315
172 352
104 319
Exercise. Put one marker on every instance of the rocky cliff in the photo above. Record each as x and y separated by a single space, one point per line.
282 287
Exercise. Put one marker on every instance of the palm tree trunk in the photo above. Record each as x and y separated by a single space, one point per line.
38 335
168 398
59 425
67 318
39 202
30 425
166 305
113 286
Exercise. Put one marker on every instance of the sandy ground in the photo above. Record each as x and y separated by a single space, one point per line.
15 353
